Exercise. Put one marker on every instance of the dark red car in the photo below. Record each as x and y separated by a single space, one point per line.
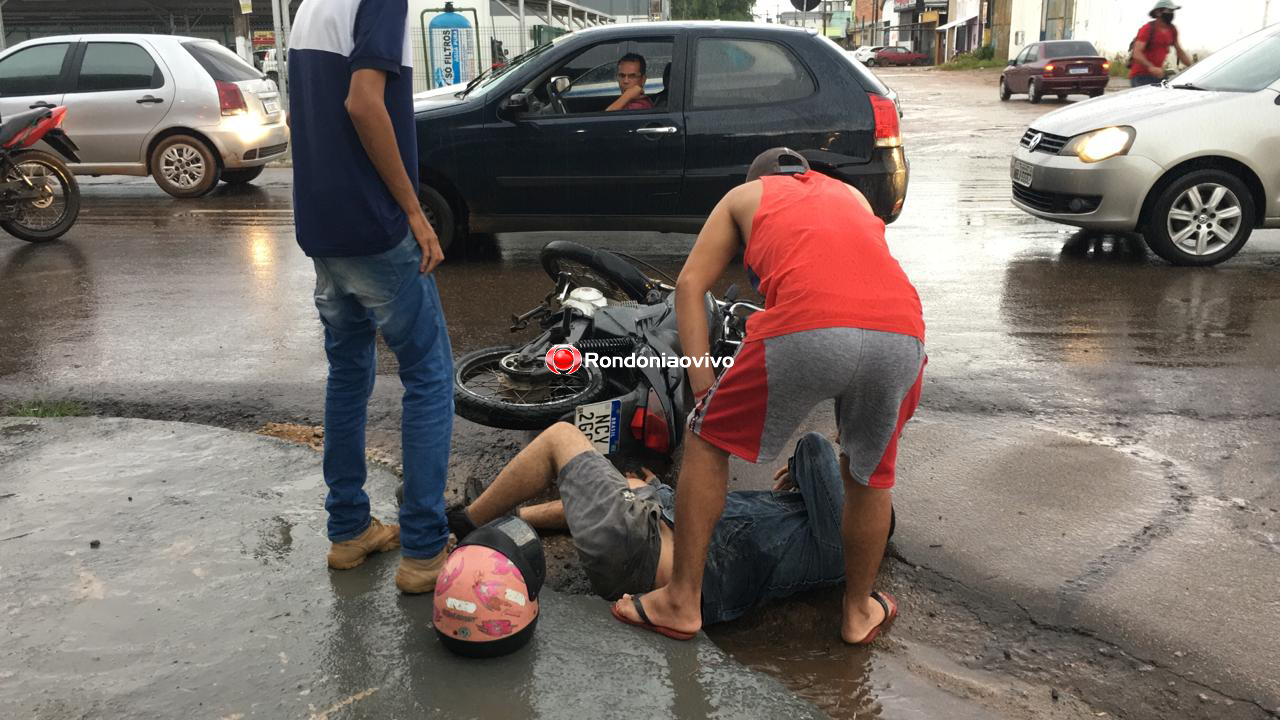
1057 67
898 56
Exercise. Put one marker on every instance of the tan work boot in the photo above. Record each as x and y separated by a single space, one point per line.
376 538
418 575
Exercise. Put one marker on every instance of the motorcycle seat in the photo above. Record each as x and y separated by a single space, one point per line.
12 127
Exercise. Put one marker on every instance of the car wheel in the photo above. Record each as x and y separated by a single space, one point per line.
1004 91
1033 93
184 166
1203 218
871 62
242 176
440 215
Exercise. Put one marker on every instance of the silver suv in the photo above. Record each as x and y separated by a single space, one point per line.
186 111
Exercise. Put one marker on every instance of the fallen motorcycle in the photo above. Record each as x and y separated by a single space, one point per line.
635 394
39 197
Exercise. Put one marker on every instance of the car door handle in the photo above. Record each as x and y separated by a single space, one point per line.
149 99
661 130
41 104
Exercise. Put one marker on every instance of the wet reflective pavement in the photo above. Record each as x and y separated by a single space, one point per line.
185 578
1096 439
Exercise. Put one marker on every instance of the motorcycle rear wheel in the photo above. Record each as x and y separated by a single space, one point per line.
615 277
487 394
31 222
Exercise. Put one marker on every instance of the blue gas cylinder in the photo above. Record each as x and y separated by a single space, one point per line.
451 47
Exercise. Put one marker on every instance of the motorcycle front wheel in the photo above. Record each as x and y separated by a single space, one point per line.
51 215
489 389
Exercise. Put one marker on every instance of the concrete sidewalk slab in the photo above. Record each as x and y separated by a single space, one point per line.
207 596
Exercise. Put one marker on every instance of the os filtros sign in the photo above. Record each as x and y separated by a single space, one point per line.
566 359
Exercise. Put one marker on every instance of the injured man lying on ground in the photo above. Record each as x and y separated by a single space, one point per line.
768 544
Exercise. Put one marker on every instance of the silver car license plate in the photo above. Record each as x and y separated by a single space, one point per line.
600 422
1079 71
1022 172
271 106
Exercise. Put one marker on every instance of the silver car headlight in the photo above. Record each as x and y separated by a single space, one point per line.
1098 145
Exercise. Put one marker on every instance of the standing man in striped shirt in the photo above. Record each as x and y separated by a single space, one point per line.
357 216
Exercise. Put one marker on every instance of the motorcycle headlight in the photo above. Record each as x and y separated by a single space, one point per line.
1098 145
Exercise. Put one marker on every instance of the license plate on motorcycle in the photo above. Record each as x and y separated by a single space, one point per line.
1022 172
271 107
601 423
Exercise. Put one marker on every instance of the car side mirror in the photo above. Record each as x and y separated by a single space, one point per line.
560 84
1013 63
516 104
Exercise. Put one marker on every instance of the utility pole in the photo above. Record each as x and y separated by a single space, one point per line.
3 35
240 25
279 19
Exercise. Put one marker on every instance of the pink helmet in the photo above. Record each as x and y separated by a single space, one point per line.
486 599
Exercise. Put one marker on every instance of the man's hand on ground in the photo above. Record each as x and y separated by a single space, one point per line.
432 255
782 481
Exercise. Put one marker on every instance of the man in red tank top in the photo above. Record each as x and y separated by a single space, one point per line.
841 322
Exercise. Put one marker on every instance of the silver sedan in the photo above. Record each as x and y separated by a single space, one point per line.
1193 164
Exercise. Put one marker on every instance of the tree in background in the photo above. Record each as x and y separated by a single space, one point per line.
711 9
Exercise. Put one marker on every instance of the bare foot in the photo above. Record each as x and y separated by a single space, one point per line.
861 616
664 610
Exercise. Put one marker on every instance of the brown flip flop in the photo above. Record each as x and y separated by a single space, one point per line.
890 606
645 623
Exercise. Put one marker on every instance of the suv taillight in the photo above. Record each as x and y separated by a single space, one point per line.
886 117
230 99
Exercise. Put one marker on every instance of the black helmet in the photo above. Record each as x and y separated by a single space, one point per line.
777 161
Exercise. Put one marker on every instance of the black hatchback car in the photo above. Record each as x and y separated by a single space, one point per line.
531 147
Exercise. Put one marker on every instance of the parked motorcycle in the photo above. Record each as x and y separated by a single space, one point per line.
39 197
604 305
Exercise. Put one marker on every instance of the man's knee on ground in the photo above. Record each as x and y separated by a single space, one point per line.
565 442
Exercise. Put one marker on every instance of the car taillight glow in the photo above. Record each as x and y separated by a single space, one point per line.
1106 64
649 425
230 99
1049 68
885 113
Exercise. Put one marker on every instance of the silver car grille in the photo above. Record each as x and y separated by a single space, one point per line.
1047 142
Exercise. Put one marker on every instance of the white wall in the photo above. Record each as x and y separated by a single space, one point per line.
1203 27
1024 18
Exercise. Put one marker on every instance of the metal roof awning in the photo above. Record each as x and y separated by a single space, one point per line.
950 25
567 14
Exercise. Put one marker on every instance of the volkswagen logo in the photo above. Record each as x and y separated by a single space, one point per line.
1035 141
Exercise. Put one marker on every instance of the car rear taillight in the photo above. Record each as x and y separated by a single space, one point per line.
649 425
230 99
1048 69
886 116
1106 65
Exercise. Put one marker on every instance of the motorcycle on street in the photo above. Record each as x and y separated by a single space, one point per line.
39 196
636 395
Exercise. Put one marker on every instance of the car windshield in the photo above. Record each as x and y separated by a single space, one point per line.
486 80
1247 65
1075 48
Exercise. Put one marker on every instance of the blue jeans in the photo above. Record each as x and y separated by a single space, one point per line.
357 296
1140 80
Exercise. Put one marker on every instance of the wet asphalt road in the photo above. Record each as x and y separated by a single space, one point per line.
201 310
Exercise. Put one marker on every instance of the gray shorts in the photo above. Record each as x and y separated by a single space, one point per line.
758 404
614 527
